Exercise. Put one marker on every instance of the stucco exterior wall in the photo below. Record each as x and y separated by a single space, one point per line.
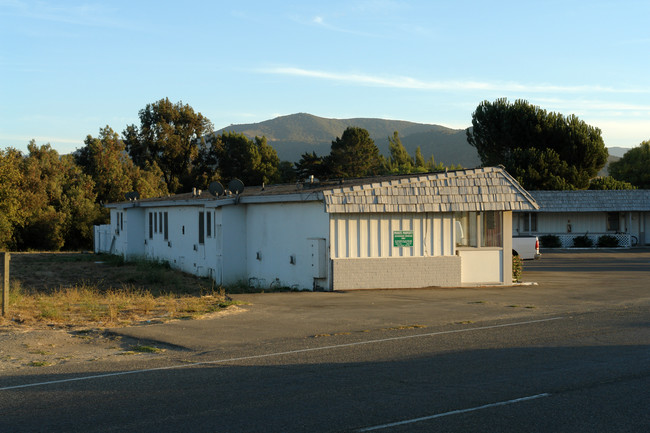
396 272
484 266
181 247
286 243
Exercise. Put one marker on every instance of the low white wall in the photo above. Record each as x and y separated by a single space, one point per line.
396 272
481 266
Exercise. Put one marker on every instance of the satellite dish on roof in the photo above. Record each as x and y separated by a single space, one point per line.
216 188
133 195
236 186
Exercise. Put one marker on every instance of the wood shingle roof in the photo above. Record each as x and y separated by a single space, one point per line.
593 200
481 189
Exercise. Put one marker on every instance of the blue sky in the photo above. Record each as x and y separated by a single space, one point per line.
68 68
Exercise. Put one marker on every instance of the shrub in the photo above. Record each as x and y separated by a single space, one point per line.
550 241
582 242
517 268
607 241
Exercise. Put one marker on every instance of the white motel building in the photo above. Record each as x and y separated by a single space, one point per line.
446 229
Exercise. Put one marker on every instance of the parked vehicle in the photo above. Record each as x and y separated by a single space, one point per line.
526 247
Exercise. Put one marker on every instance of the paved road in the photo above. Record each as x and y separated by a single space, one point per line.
569 354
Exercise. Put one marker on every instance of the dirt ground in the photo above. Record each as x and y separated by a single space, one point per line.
33 348
32 345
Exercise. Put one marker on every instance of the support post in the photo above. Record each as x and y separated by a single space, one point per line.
5 284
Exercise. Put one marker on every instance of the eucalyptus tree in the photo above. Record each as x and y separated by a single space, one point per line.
171 136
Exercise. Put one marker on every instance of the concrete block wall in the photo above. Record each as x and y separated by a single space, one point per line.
396 272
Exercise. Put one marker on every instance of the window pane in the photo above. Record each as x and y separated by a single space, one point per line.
208 224
201 228
465 229
492 229
166 226
533 222
150 225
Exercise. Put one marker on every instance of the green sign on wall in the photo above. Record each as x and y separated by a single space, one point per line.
403 238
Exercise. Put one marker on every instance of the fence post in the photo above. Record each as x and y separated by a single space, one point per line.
5 284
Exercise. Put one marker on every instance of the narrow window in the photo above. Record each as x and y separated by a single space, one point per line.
117 223
166 225
530 222
201 227
492 229
121 220
150 225
613 222
160 222
155 223
208 224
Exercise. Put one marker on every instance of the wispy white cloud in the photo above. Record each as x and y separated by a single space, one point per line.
404 82
86 14
613 107
20 140
321 22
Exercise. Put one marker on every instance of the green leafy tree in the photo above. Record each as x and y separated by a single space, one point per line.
58 200
287 172
268 168
354 154
608 182
104 159
311 164
634 166
420 163
514 134
171 136
42 186
12 213
233 155
79 206
399 156
542 169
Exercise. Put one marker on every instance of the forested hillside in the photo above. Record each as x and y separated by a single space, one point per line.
295 134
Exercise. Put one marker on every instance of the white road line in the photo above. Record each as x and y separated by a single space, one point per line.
269 355
453 412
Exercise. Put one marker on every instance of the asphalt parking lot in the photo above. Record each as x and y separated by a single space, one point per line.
561 281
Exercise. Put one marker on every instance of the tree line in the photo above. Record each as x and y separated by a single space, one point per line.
51 202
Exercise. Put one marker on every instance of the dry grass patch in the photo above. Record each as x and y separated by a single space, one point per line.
104 291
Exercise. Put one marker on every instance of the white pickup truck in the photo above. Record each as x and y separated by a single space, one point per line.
526 247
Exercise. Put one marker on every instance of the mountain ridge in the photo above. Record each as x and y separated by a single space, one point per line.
295 134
